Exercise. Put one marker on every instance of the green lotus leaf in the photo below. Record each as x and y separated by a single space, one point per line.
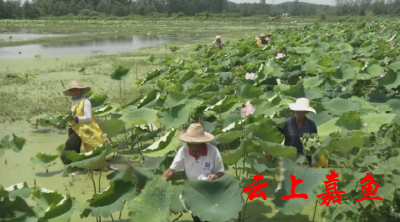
218 200
276 149
320 117
112 127
298 91
338 106
178 115
375 120
136 175
311 66
344 47
16 144
249 92
323 45
233 156
303 50
223 108
148 100
111 200
341 144
311 178
52 206
176 205
265 131
140 116
375 70
313 81
97 99
395 66
43 159
266 167
10 209
163 146
87 160
227 137
150 76
390 80
345 73
119 73
153 204
19 190
264 107
175 99
350 121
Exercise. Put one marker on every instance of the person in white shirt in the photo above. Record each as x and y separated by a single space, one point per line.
197 157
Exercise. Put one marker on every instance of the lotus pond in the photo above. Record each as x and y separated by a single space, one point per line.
347 71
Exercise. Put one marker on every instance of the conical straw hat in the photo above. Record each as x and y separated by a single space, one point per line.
195 134
76 85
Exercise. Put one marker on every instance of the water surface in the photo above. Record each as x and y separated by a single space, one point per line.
26 36
110 45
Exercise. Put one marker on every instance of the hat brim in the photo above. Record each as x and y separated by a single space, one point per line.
182 136
68 92
297 107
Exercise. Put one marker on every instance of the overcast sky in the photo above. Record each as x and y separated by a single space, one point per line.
325 2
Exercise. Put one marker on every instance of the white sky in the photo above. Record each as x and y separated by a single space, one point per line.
324 2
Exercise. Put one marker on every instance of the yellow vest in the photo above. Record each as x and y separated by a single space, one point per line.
259 42
323 162
90 133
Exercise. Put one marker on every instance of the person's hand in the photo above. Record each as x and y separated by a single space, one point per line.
212 177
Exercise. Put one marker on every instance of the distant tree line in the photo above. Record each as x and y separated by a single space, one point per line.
17 9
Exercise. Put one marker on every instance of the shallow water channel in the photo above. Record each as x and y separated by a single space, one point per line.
110 45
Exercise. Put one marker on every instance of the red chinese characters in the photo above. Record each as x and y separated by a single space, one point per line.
368 190
293 194
330 186
256 189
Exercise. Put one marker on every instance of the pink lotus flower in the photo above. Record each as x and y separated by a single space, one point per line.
158 68
383 75
383 29
247 110
251 76
280 55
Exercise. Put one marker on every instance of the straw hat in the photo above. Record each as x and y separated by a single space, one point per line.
76 85
195 134
301 104
262 35
218 37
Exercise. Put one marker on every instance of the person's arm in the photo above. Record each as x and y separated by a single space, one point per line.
87 112
177 164
218 167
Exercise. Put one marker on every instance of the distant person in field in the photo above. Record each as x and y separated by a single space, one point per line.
263 39
84 128
197 157
217 42
297 125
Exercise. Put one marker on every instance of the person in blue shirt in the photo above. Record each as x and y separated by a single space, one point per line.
296 126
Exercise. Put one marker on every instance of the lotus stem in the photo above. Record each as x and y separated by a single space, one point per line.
120 213
245 207
112 218
236 171
180 215
94 183
151 128
99 181
315 210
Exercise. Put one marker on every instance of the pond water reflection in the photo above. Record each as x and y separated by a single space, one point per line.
109 45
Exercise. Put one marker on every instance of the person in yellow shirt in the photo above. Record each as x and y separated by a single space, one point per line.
217 42
84 129
263 39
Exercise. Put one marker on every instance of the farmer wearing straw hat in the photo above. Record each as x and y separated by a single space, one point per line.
262 40
299 124
197 157
84 128
217 42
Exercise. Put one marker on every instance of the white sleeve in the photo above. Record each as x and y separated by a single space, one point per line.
87 111
178 164
219 165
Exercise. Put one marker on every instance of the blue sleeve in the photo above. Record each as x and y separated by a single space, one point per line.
76 119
